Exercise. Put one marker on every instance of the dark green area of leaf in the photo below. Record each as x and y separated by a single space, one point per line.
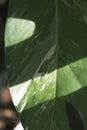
72 32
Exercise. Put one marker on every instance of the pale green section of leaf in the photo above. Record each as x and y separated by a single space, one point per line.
34 92
72 77
18 30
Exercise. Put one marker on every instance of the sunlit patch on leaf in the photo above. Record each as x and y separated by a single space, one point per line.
74 77
32 93
18 91
18 30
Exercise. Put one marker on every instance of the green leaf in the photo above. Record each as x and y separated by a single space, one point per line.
46 61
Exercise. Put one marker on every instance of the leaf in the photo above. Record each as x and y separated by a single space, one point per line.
48 68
